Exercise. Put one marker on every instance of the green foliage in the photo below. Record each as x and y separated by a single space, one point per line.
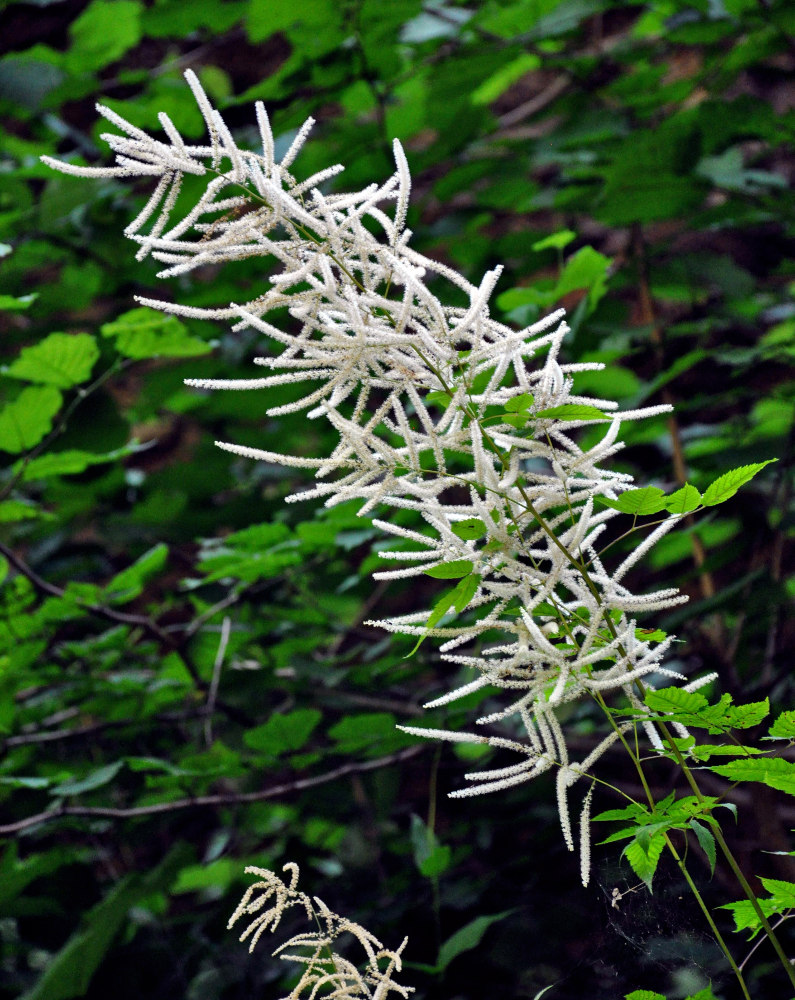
661 134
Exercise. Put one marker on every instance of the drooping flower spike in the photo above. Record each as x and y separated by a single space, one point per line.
438 410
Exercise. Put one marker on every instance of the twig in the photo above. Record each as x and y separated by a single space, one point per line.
202 801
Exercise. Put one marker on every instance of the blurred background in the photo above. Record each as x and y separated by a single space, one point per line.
186 685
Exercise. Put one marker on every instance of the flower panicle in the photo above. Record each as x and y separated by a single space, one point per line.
323 971
442 411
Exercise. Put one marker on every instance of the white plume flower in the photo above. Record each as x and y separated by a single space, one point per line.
438 410
323 971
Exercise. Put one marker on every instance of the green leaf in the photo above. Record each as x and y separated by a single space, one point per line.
643 859
644 995
573 411
707 842
368 731
218 874
439 397
70 971
13 303
470 529
468 937
726 486
647 500
144 333
783 728
95 779
62 360
66 463
128 584
18 510
451 571
104 31
25 421
519 403
683 501
556 241
431 857
773 772
457 598
782 891
283 732
508 73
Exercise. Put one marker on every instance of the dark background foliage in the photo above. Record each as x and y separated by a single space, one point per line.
187 685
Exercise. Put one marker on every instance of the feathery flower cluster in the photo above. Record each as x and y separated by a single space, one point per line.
324 973
463 426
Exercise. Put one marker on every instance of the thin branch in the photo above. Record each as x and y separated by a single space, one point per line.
212 694
203 801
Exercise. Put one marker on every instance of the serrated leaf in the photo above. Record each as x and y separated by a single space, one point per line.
647 500
644 995
644 859
726 486
519 403
283 732
25 421
439 397
130 582
673 699
746 716
66 463
62 360
573 411
450 571
781 890
783 728
470 529
683 501
773 772
707 842
517 420
144 333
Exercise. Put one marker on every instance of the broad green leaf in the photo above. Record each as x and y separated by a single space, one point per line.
62 360
772 771
519 403
431 858
683 501
706 840
144 333
451 571
573 411
95 779
13 303
457 598
25 421
128 584
647 500
468 937
503 78
470 529
726 486
66 463
644 859
218 874
18 510
745 918
673 699
782 891
783 728
69 973
102 33
556 241
374 731
439 397
644 995
283 733
585 269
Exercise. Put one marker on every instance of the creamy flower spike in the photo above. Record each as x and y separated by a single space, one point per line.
439 410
